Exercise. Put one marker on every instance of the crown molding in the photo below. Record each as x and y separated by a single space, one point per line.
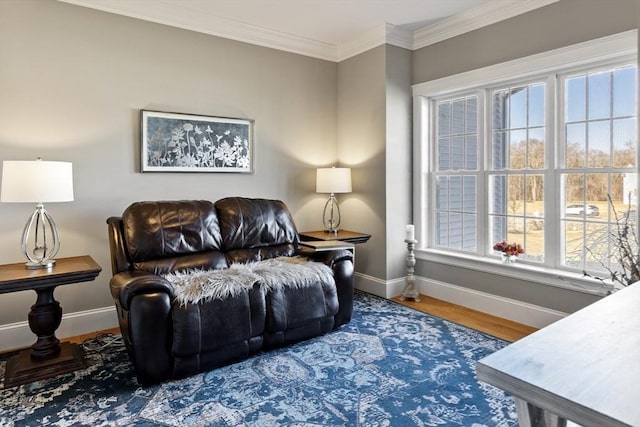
473 19
197 21
194 20
385 33
399 37
364 42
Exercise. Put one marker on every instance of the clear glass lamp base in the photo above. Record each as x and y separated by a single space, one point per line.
331 215
45 241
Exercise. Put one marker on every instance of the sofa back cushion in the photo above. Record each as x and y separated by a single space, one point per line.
255 229
165 236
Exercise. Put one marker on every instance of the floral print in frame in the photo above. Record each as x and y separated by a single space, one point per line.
174 142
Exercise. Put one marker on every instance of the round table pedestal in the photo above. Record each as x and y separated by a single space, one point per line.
44 318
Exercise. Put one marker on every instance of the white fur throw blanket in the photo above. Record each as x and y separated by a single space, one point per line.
193 286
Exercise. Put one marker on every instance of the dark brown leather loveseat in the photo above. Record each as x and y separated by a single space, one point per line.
166 339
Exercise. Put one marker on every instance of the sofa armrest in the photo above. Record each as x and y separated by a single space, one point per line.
327 257
143 303
128 284
333 257
341 262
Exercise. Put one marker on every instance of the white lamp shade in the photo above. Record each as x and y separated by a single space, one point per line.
333 180
36 181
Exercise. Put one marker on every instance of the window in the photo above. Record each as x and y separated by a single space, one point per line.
531 157
598 151
517 163
456 173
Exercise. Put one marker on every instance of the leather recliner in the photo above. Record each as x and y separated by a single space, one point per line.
166 339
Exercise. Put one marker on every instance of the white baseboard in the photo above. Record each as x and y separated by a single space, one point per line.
507 308
370 284
19 335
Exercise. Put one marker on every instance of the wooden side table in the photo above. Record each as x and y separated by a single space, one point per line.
341 235
47 357
311 246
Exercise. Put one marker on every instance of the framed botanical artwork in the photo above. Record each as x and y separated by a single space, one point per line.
174 142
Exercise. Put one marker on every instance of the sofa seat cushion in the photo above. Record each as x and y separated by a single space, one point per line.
194 286
301 313
209 325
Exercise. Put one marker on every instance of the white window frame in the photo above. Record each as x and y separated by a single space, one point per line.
462 172
607 50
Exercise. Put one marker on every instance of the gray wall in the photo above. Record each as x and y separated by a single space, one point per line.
559 24
361 142
398 157
72 83
374 134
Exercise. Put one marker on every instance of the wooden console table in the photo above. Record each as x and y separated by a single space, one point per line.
584 368
47 357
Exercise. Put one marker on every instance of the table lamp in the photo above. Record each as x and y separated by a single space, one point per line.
38 181
332 180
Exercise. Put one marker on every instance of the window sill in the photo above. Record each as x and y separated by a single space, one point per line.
519 270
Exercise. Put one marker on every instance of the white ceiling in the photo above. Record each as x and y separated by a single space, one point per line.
326 29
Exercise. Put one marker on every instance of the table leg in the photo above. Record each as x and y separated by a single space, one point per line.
44 318
46 357
532 416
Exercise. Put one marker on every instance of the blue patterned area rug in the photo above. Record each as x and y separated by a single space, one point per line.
391 366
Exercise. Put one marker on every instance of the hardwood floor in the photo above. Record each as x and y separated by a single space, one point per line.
487 323
492 325
80 338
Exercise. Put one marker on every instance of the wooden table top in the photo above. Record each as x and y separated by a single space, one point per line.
584 368
15 277
342 235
